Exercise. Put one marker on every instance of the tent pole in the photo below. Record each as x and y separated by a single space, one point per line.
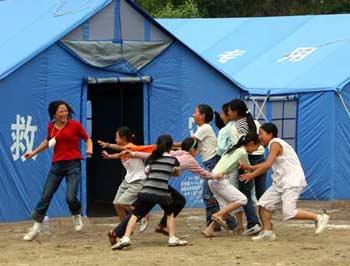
343 103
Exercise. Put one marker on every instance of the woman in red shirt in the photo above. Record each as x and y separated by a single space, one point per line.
64 135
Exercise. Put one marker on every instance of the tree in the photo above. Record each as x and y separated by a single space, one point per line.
171 9
242 8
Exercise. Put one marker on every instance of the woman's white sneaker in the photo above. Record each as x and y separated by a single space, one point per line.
174 241
122 243
321 223
251 231
33 232
265 236
77 222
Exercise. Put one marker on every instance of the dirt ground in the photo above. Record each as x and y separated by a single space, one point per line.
296 244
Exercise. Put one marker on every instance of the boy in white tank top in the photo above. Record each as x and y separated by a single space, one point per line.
288 181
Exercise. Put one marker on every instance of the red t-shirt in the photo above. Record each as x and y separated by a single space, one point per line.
67 141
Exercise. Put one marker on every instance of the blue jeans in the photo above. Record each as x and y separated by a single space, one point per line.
211 205
72 171
246 189
259 181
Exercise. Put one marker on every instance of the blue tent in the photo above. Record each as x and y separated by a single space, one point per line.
114 65
295 72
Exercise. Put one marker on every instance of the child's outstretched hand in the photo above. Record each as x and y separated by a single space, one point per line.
103 144
246 177
245 167
105 155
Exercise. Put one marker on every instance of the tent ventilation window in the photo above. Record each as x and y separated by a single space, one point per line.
280 110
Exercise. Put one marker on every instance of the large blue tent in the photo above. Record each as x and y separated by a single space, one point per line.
101 54
114 65
294 71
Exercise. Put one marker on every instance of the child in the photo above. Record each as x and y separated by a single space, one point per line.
229 197
160 166
288 181
244 123
207 144
135 174
225 141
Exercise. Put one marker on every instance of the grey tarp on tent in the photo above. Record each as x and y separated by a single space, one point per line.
107 53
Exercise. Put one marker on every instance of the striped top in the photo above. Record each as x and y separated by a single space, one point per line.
241 128
158 175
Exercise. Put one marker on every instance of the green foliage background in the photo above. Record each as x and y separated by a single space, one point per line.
241 8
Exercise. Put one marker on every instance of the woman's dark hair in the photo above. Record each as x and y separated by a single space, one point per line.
164 144
206 110
126 133
241 108
244 140
270 128
218 121
189 143
53 106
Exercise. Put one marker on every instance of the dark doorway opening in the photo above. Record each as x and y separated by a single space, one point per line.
110 106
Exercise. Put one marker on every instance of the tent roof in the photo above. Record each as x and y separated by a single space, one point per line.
265 55
32 26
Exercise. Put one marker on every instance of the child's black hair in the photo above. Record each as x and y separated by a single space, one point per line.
189 143
270 128
125 132
206 110
164 144
241 108
218 121
244 140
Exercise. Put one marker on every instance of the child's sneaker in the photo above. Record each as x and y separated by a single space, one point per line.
33 232
77 222
174 242
143 223
251 231
122 243
265 236
321 223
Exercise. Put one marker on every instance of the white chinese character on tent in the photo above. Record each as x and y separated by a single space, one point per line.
229 55
298 54
23 134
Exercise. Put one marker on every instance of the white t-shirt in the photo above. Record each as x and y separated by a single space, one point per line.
135 169
207 142
287 171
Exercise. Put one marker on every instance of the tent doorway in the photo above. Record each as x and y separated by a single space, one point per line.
109 107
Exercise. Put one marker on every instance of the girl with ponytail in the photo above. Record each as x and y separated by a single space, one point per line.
229 197
135 172
245 124
161 165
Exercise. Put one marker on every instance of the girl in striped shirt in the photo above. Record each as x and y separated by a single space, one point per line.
160 165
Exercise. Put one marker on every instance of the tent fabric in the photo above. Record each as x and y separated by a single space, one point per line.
307 53
42 23
106 53
98 54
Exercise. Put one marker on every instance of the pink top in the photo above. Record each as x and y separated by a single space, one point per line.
186 160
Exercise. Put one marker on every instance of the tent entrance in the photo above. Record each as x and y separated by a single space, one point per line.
110 105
